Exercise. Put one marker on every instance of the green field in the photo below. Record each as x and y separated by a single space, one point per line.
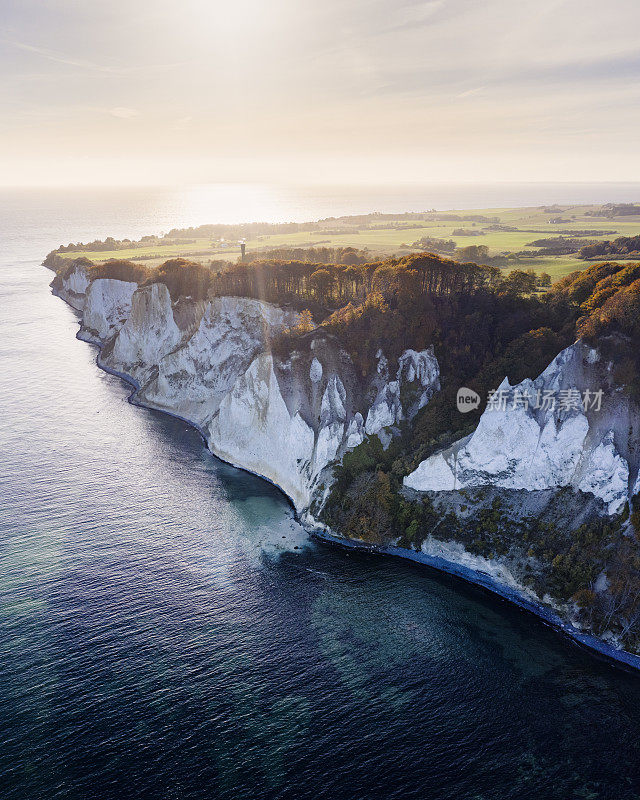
395 237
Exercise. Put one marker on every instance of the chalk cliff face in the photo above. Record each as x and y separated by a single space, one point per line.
106 308
71 285
254 428
420 371
526 441
148 334
217 349
105 303
287 418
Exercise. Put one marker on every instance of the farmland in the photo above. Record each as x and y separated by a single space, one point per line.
508 234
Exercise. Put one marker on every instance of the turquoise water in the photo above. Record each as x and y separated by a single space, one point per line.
168 631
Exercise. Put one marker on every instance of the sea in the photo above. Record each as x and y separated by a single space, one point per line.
167 628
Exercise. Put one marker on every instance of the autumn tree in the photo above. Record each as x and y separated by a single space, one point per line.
305 322
473 252
321 282
519 282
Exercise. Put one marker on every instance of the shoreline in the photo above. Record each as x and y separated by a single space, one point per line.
133 400
589 643
586 642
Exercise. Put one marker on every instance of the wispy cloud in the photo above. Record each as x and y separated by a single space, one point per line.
61 58
471 92
416 15
182 123
88 65
122 112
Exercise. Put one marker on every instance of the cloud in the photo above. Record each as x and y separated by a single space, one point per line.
60 58
93 66
182 123
416 15
471 92
122 112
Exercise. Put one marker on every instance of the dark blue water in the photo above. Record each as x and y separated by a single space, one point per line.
167 631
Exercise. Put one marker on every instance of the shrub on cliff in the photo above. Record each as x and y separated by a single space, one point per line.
118 269
368 511
184 278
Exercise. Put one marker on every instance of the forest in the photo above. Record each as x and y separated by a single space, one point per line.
623 246
318 255
483 321
611 210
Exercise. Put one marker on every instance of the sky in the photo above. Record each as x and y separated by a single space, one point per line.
327 91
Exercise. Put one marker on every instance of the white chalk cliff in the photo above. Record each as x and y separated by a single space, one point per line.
419 370
72 285
525 442
215 351
284 418
107 307
288 419
148 334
